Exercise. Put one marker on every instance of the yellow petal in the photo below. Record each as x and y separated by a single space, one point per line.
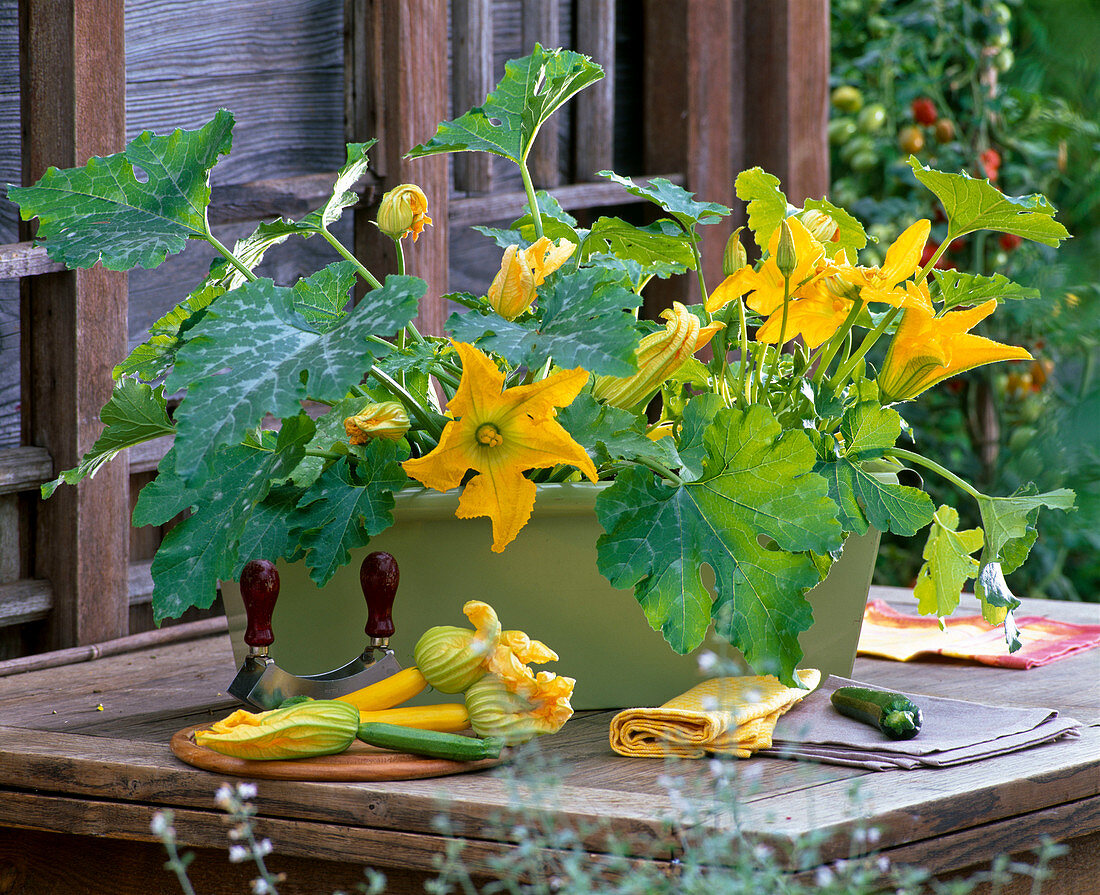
903 257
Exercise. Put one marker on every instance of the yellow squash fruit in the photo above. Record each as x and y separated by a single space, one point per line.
388 692
448 717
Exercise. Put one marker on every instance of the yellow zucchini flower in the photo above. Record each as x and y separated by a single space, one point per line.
815 318
522 271
765 286
403 211
385 420
452 659
317 727
497 711
500 433
902 261
659 355
926 349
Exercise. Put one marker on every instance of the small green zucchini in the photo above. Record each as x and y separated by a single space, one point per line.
895 715
431 743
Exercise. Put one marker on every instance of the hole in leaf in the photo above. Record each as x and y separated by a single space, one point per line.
767 543
140 175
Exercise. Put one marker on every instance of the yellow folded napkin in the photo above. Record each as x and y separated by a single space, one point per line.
728 715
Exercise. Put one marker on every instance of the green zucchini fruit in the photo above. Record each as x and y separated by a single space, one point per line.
895 715
430 743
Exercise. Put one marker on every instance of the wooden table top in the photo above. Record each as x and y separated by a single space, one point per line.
83 751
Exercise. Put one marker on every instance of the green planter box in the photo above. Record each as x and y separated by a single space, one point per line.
545 583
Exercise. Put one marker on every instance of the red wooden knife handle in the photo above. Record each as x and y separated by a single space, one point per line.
259 591
379 577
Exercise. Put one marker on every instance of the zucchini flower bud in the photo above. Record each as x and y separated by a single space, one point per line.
821 226
453 658
385 420
522 271
659 356
734 256
497 711
403 210
786 257
316 727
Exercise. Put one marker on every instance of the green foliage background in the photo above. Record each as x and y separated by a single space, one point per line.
1020 79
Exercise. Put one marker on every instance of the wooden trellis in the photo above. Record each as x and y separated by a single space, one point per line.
724 84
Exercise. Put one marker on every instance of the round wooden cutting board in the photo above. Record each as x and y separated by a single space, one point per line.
360 763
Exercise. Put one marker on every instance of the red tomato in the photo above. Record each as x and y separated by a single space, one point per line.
1009 241
924 111
990 160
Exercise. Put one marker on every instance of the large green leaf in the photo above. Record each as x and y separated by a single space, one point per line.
973 204
610 433
103 212
655 246
583 320
532 89
757 485
135 413
1007 519
674 199
203 548
557 224
955 288
253 354
947 563
868 431
767 204
342 194
1009 524
322 298
154 357
345 508
268 535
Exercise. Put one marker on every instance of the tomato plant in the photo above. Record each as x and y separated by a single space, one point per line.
1003 90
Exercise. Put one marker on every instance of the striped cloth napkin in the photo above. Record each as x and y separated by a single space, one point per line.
726 715
894 635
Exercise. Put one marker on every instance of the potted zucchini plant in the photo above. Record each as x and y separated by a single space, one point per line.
771 443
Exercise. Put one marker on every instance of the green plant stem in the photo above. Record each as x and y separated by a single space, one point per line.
348 256
532 200
400 252
229 256
782 329
326 455
414 407
693 242
845 370
833 345
910 457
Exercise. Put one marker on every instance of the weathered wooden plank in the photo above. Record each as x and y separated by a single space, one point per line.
403 63
74 324
690 101
278 67
786 109
540 24
23 601
472 48
25 259
595 106
24 468
508 206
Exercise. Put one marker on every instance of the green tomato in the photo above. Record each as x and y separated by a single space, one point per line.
841 130
859 143
864 161
847 98
1004 60
872 118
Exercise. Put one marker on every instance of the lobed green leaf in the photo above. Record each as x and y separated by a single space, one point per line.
103 213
